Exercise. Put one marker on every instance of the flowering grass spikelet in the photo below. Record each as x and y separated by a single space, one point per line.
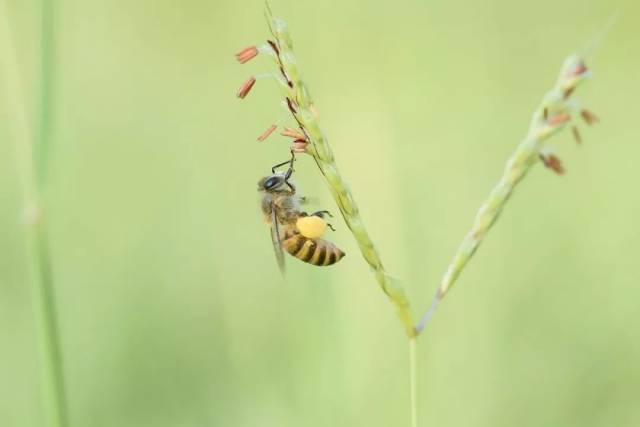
557 110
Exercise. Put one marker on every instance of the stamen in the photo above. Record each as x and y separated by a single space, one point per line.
553 163
299 146
267 132
246 54
568 92
292 133
246 87
579 69
558 119
589 117
576 134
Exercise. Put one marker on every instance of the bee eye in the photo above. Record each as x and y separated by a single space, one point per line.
271 182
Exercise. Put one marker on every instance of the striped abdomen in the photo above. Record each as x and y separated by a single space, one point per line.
318 252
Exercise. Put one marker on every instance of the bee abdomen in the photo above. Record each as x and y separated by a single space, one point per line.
313 251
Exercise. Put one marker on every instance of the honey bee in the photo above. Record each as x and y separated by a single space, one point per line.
292 229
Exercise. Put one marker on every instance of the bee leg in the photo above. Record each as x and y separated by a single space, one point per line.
321 214
286 180
290 172
288 162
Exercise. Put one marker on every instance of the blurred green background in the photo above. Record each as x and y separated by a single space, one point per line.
172 309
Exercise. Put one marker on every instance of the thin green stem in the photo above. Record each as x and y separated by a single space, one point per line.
46 317
413 381
44 116
37 246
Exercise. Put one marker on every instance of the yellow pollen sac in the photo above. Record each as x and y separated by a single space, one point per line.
311 226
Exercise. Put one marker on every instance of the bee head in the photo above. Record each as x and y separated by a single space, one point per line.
272 183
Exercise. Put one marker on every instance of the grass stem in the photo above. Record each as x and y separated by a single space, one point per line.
47 74
37 246
413 381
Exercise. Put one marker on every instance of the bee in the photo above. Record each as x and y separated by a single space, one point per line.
292 229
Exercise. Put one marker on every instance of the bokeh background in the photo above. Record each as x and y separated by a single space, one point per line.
172 309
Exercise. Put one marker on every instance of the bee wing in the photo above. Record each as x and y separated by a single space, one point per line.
275 238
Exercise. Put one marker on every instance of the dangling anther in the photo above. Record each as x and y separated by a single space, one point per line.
579 69
568 92
292 133
576 134
589 117
267 132
553 163
558 119
246 87
299 146
247 54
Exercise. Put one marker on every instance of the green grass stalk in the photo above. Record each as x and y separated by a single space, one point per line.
413 381
556 112
302 107
38 251
44 120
